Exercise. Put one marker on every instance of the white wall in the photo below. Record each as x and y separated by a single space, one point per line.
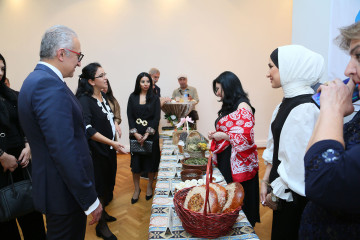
201 38
310 25
318 28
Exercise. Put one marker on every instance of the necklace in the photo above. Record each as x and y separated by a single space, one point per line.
110 115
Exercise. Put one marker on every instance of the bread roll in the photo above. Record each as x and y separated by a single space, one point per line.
221 193
195 200
235 197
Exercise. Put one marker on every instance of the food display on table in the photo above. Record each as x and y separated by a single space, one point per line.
189 183
196 144
178 109
195 200
189 174
235 197
196 161
215 178
221 199
221 194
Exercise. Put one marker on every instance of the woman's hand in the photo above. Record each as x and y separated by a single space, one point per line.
336 102
219 136
119 148
336 96
270 203
146 135
263 192
138 137
24 157
8 162
118 129
210 135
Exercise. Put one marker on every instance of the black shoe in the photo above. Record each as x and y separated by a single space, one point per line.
100 234
148 197
135 200
109 218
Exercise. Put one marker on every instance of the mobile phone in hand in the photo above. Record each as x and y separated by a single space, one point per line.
355 96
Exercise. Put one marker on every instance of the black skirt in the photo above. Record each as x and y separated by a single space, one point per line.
251 187
105 174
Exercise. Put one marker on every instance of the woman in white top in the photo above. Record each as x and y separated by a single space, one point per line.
295 69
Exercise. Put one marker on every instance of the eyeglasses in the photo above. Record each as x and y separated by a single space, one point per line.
101 75
80 55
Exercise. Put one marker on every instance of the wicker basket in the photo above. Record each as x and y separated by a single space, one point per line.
205 225
176 136
194 154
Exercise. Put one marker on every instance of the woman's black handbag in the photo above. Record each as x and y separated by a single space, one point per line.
145 149
16 199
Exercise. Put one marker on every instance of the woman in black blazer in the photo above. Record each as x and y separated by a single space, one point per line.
143 113
100 129
15 155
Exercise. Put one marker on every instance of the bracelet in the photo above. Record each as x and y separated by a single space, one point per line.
265 181
150 131
1 152
133 131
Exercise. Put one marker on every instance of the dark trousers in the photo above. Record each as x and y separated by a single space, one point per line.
286 220
66 227
32 227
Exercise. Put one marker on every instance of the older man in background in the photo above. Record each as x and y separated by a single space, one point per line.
155 75
192 95
52 119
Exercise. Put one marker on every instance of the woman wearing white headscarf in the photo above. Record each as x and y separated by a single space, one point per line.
295 69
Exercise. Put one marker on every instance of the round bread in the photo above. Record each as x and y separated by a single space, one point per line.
221 193
195 200
235 197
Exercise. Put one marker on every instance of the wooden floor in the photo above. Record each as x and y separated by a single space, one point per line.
133 219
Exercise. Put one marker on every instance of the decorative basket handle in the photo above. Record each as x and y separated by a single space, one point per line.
209 172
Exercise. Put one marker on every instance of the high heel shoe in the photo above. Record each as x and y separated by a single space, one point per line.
108 218
149 197
101 235
133 201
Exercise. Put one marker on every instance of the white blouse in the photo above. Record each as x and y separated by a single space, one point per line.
294 138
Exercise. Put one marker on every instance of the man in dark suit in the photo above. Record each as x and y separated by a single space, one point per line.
51 116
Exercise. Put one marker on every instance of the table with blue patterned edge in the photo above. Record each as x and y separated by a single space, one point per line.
162 202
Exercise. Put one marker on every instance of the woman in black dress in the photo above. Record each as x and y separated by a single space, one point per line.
100 128
14 149
233 141
143 112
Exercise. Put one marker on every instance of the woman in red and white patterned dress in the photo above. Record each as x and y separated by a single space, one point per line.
233 143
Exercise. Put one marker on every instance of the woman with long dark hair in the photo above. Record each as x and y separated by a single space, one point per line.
143 113
100 129
233 143
295 69
15 155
